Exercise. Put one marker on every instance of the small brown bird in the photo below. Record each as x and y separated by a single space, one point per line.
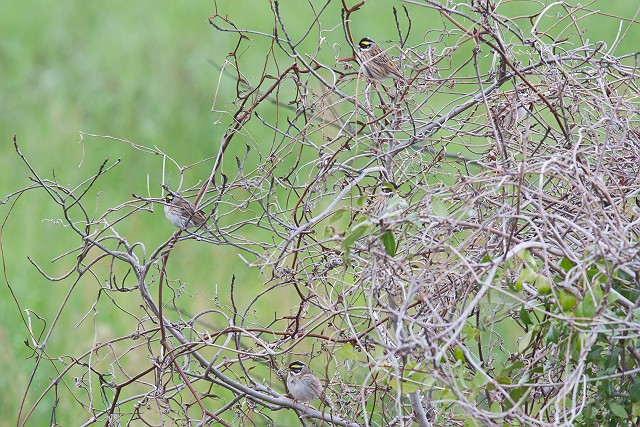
384 192
303 385
375 63
507 113
182 213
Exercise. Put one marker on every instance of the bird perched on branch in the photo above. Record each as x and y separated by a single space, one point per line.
387 202
304 385
383 193
182 213
375 63
516 106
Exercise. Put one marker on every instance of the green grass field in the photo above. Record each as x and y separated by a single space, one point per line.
135 70
143 71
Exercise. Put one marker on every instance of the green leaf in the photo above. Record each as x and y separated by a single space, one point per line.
566 264
411 366
458 354
337 215
504 380
347 351
552 335
575 345
634 393
566 299
466 214
478 382
357 232
585 309
526 256
597 293
515 366
394 206
542 285
594 353
580 311
592 272
587 413
447 395
524 316
623 275
590 302
525 341
439 208
527 275
618 410
516 394
515 286
413 218
389 242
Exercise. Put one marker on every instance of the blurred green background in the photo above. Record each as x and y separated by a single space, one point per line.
148 72
141 71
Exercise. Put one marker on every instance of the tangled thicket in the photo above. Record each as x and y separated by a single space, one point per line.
495 282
